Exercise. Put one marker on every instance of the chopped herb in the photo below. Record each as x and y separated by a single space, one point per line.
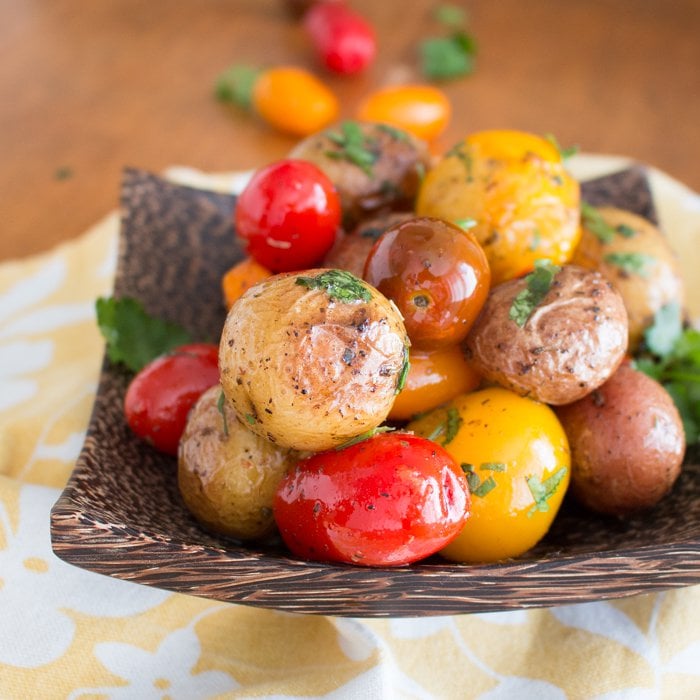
672 357
250 418
596 224
446 58
220 404
235 85
493 466
565 153
538 283
340 285
536 239
364 436
542 491
461 151
466 224
65 172
449 428
403 373
395 133
626 231
134 337
353 146
631 263
451 15
477 487
372 232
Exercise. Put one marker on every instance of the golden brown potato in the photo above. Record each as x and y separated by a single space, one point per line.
311 359
572 342
350 251
627 443
227 475
373 166
636 257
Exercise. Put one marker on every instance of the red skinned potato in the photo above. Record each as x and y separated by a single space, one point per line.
389 500
572 341
627 443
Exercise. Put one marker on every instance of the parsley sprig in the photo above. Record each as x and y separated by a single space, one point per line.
538 283
353 146
632 263
671 355
340 285
451 56
595 222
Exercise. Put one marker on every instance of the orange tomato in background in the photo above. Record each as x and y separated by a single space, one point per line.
241 277
422 110
433 378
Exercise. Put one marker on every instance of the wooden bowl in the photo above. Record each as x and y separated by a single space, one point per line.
121 513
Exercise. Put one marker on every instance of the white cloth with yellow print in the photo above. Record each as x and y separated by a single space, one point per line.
70 633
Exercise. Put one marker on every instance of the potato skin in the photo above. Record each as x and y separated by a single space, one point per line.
627 443
308 372
573 341
228 481
643 294
394 177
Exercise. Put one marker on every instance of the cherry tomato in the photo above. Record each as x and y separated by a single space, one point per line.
293 100
344 40
434 377
288 215
389 500
241 277
161 395
516 456
422 110
437 275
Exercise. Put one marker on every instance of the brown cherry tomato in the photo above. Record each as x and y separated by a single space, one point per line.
437 275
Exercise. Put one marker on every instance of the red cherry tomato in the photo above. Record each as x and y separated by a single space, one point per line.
161 395
436 273
344 40
288 215
389 500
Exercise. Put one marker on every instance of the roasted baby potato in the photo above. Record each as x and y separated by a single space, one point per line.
311 359
574 338
373 166
627 443
350 251
514 186
227 475
636 257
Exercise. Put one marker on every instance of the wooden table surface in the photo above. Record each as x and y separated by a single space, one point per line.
87 88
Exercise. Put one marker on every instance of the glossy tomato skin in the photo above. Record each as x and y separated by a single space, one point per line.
392 499
437 275
344 40
288 215
161 395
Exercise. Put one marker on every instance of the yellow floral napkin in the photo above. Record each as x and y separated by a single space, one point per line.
69 633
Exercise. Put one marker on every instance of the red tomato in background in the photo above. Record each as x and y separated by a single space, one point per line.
436 273
389 500
161 395
288 215
344 40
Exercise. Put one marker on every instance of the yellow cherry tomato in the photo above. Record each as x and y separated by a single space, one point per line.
294 101
422 110
434 377
516 457
514 187
241 277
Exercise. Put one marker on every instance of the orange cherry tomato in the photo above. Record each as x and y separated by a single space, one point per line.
422 110
294 101
241 277
434 378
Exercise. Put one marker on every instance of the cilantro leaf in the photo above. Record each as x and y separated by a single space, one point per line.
445 58
477 487
565 153
631 263
451 15
596 224
353 146
538 283
134 338
340 285
235 85
665 331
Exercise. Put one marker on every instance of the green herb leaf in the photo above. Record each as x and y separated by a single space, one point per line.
461 151
542 491
221 406
565 153
340 285
236 84
596 224
466 224
250 418
446 58
395 133
134 338
451 15
665 331
477 487
493 466
405 369
364 436
538 282
626 231
353 146
631 263
448 428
